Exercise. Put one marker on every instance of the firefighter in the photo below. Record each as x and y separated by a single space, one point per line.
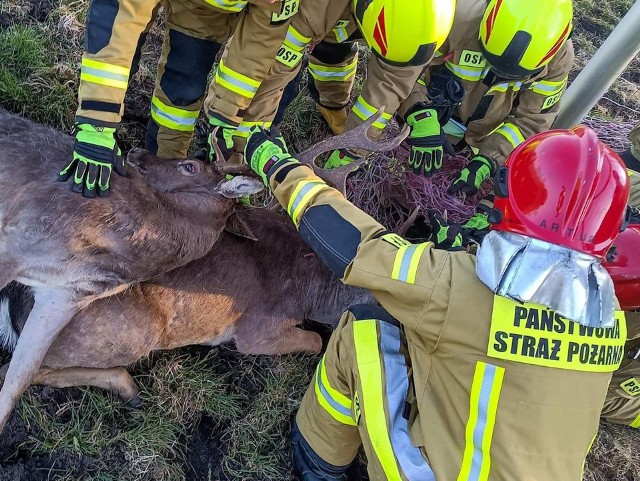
622 405
194 33
403 36
511 58
493 366
631 156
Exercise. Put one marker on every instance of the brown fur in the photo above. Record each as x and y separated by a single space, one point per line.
72 250
255 292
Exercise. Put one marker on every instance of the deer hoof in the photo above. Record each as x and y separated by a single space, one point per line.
135 402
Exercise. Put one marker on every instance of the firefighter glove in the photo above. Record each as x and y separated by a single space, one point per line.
427 141
263 149
479 169
220 134
443 235
95 155
340 157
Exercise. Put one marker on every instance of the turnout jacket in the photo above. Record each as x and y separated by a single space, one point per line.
496 114
501 391
331 22
116 30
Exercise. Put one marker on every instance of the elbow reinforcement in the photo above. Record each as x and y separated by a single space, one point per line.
334 239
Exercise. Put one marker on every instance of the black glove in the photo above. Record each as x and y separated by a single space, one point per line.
444 235
95 155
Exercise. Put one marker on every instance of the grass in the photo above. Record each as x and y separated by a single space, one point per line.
217 416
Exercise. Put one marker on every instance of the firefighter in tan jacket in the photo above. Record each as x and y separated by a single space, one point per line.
492 367
194 33
622 405
402 34
511 59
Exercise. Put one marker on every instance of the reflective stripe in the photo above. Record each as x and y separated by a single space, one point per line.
409 457
504 86
422 82
335 403
230 6
244 129
322 73
483 405
365 337
302 195
455 128
171 117
512 134
340 31
547 87
102 73
235 81
295 39
364 110
636 422
405 265
473 74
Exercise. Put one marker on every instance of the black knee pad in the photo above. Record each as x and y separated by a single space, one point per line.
308 465
100 19
151 139
334 53
291 91
188 64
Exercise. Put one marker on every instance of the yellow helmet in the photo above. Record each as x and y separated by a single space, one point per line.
519 37
404 32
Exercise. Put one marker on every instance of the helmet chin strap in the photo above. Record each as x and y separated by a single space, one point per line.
524 269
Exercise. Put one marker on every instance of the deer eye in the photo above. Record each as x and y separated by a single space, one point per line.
189 168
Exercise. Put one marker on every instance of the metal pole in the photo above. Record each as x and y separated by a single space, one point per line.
602 70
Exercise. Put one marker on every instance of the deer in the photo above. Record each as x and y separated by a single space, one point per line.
72 250
121 268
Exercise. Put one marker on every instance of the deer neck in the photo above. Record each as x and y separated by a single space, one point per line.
189 225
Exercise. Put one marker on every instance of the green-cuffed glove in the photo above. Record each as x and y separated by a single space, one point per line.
340 157
426 139
263 149
222 137
95 155
479 169
443 235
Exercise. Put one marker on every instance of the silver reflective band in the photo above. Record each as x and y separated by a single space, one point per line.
523 269
104 74
409 457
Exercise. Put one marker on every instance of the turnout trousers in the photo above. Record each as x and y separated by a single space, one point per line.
361 395
195 33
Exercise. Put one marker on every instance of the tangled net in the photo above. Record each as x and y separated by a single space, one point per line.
387 190
390 192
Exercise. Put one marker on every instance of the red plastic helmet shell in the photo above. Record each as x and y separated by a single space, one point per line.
564 187
624 268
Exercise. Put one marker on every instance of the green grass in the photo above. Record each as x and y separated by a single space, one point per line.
176 391
30 83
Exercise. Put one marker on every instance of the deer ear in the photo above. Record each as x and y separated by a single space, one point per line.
237 226
240 186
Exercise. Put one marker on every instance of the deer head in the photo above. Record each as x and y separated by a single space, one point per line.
353 139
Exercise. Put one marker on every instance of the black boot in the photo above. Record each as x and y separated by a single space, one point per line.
308 466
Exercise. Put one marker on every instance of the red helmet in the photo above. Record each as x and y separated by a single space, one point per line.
624 268
564 187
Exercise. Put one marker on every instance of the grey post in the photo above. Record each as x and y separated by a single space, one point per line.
617 51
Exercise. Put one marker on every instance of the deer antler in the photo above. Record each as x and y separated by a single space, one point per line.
353 139
402 230
225 167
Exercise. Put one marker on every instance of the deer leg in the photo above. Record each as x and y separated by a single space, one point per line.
286 341
115 379
51 312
